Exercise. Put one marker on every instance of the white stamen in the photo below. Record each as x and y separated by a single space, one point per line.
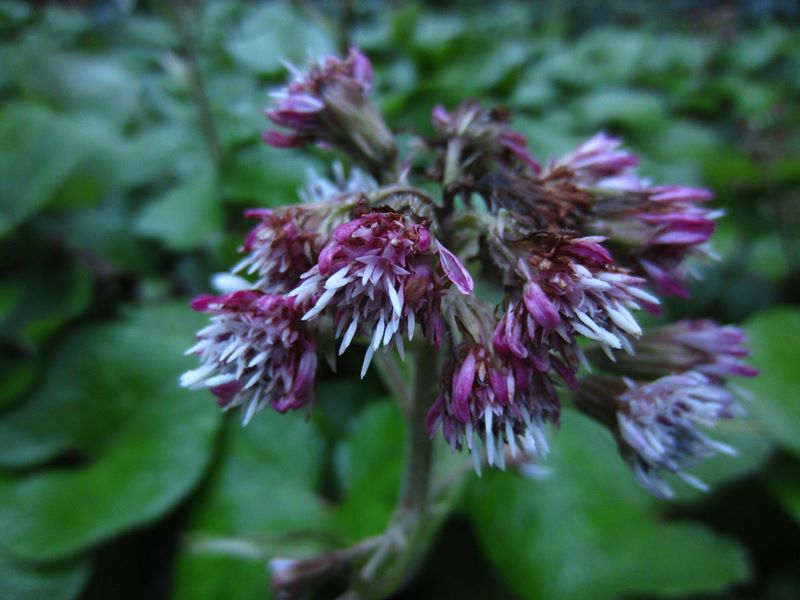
401 350
194 376
323 301
338 279
511 438
220 380
694 481
397 303
378 333
642 295
476 461
226 283
367 359
348 336
501 453
251 410
490 450
258 359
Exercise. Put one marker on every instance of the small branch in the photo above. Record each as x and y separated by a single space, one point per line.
196 81
347 20
291 578
452 162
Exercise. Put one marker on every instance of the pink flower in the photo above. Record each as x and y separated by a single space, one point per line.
656 230
377 271
484 134
716 351
481 401
330 105
255 352
593 161
279 249
658 424
570 286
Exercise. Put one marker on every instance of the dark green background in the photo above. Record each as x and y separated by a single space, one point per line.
129 145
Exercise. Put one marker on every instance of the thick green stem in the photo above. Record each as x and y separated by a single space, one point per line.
419 447
452 162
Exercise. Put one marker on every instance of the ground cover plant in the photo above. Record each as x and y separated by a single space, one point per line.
132 146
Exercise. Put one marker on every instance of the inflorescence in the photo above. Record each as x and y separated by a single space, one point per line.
572 248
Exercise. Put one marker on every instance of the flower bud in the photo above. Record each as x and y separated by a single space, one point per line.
330 105
658 425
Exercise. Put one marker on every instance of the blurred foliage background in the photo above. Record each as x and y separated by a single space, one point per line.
129 145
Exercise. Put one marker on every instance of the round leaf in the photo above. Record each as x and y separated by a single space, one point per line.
587 531
776 391
110 400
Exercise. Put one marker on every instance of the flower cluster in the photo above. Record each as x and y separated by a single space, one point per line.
674 383
598 162
487 395
278 249
481 136
653 229
567 252
377 269
656 423
255 352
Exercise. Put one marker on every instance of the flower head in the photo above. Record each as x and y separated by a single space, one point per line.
378 272
329 104
657 424
480 400
570 286
598 159
255 352
655 230
484 133
279 249
717 351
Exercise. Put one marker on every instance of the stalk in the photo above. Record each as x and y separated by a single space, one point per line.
419 447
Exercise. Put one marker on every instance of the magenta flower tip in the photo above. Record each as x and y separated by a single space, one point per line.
455 270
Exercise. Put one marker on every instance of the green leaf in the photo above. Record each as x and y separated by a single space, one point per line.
56 289
621 106
784 483
28 582
106 231
260 503
101 85
274 32
768 258
479 67
16 375
585 530
162 150
263 176
369 465
14 12
776 391
754 52
31 172
613 54
186 217
533 91
110 405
